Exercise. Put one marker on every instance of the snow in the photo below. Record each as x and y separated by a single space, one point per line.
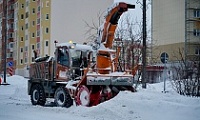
76 46
146 104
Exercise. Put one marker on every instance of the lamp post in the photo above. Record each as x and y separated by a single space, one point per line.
144 34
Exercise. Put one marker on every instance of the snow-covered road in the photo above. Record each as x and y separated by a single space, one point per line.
148 104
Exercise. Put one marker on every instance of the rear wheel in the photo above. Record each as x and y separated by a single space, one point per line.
38 95
62 98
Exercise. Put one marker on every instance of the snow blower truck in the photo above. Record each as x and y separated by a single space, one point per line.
78 73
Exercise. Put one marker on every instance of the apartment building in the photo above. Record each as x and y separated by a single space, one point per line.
30 23
34 25
176 29
6 35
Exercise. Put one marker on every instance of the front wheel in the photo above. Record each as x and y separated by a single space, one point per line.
38 95
62 98
83 96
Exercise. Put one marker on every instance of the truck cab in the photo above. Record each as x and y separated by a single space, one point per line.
71 59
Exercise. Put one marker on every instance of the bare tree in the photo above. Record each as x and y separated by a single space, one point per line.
186 77
92 29
129 31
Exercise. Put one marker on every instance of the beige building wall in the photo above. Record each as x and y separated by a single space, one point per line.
27 32
168 27
168 21
21 33
45 27
32 29
175 52
176 29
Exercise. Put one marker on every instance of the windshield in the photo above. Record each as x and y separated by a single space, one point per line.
79 58
75 56
75 53
63 57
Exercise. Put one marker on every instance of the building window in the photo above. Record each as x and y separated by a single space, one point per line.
33 10
47 30
196 32
47 16
16 5
27 3
26 25
33 35
11 26
11 45
47 3
38 8
22 16
22 39
26 60
197 51
10 35
33 23
22 5
33 47
16 25
38 45
38 33
21 61
11 55
33 0
22 28
21 50
38 21
197 13
47 43
26 48
26 37
26 14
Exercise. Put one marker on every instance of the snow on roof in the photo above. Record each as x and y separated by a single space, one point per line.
76 46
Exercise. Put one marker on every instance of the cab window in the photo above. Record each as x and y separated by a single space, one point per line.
63 57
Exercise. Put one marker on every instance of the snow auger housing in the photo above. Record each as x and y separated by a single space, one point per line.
77 72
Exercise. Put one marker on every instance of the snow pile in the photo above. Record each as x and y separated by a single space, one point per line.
146 104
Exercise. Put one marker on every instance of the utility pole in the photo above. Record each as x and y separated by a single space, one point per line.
144 34
4 38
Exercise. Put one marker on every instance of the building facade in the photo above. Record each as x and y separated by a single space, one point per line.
34 25
176 29
6 35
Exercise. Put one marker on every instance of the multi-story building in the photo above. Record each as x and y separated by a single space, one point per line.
176 29
7 28
34 25
31 32
1 36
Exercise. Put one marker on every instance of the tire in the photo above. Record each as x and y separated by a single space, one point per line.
38 95
62 98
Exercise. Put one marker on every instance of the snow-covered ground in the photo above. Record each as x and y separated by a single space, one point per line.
146 104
